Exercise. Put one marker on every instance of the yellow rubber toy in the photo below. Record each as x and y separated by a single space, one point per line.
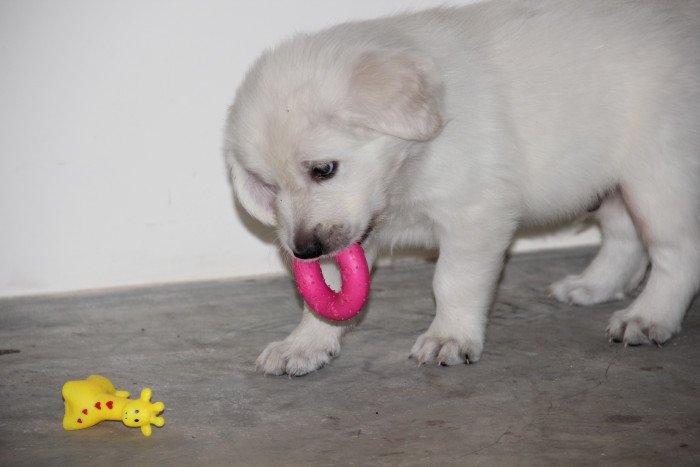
94 399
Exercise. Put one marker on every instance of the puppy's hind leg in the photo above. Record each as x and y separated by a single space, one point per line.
619 266
663 196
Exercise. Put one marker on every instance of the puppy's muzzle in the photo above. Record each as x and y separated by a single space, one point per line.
307 246
320 240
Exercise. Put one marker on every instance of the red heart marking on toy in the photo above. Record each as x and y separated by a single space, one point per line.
85 411
80 420
98 406
109 405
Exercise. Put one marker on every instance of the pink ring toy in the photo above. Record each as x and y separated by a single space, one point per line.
337 306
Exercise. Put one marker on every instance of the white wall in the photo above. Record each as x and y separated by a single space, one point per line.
111 116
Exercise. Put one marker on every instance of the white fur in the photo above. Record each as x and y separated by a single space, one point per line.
452 127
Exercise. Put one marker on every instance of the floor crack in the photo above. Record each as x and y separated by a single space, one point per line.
476 451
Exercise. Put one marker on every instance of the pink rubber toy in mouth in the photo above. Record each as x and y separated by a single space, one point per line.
337 306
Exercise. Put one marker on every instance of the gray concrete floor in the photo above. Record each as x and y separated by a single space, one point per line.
549 390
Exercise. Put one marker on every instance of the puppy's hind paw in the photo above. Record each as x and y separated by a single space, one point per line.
445 351
575 290
633 330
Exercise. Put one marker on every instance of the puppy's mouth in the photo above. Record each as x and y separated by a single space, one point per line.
363 238
318 249
367 232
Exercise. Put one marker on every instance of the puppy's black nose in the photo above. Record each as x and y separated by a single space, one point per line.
309 250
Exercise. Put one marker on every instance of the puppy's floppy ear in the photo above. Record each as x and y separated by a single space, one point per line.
398 93
256 196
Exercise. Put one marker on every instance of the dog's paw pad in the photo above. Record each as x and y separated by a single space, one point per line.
634 334
616 328
659 334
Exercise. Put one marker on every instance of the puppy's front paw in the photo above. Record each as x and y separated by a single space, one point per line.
296 356
444 350
633 328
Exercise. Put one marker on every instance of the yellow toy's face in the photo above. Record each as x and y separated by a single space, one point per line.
136 413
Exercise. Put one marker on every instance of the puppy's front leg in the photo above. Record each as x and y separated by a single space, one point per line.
464 282
314 342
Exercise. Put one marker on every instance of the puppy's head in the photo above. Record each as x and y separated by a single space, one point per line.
317 135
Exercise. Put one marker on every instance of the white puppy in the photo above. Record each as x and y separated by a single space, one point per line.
450 128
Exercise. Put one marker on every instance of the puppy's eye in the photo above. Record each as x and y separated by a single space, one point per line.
324 171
